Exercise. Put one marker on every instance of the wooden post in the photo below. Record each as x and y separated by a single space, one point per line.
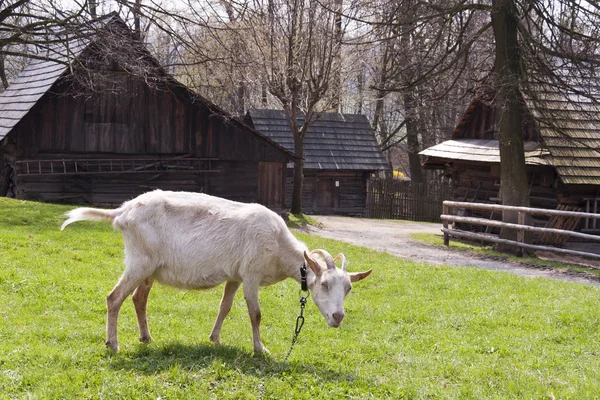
595 212
587 210
521 232
445 225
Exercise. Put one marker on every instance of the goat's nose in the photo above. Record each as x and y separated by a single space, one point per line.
338 316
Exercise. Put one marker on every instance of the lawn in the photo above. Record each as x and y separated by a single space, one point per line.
411 330
486 250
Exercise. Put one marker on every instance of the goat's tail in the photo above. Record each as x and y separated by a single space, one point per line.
91 214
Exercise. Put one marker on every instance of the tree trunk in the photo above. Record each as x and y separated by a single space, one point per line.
263 96
409 92
3 70
137 10
379 125
240 106
298 175
513 176
360 83
412 135
92 7
336 104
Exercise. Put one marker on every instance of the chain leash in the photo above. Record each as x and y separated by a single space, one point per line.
304 294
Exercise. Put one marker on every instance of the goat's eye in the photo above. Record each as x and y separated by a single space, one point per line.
348 289
324 285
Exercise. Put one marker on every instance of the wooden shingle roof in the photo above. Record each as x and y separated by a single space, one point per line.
483 150
570 128
333 141
33 82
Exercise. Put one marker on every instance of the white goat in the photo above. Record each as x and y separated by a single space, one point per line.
197 241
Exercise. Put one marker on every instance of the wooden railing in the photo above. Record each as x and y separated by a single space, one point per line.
521 227
114 166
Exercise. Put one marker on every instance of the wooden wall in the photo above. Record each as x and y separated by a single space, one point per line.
134 118
135 121
480 122
349 198
235 180
481 184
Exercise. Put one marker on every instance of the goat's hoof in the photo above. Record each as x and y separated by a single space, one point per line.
263 351
215 340
113 346
145 339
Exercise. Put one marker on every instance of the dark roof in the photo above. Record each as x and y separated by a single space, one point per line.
333 141
40 75
33 82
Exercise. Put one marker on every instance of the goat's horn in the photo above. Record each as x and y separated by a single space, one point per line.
344 261
326 256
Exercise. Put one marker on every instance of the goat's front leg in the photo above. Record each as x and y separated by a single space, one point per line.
251 296
140 301
231 287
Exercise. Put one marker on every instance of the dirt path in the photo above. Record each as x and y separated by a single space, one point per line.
394 237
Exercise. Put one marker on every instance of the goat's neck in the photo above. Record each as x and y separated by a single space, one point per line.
296 274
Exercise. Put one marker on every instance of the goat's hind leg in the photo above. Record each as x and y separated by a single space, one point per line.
231 287
140 301
114 300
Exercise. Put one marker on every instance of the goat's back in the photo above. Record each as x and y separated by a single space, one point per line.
196 240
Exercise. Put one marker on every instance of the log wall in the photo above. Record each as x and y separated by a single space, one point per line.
235 180
349 198
135 120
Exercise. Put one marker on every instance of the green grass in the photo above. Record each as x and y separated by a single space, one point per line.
298 221
411 331
486 250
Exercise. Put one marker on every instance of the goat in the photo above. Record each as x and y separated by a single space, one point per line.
197 241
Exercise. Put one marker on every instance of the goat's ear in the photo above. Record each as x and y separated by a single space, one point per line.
359 276
314 266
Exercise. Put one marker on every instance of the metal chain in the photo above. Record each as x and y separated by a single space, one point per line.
299 325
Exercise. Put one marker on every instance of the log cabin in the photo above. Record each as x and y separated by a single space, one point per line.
98 121
561 134
340 154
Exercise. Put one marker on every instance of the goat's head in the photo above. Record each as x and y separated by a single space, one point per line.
331 285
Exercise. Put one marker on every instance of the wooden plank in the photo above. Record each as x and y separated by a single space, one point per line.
487 238
498 224
499 208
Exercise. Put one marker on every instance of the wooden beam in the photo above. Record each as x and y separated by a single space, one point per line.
500 208
499 224
487 238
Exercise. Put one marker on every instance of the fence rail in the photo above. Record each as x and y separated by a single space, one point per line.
114 166
396 199
521 226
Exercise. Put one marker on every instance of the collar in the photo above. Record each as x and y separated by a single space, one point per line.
303 283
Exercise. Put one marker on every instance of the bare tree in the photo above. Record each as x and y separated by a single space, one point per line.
535 42
287 48
299 50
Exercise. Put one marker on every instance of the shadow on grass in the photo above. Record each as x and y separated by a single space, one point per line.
149 360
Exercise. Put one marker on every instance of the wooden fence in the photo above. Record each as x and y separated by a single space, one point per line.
521 227
397 199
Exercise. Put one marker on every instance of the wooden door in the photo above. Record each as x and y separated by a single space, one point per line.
325 195
270 184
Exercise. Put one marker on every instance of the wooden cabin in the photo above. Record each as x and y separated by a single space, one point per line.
62 142
561 134
340 154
